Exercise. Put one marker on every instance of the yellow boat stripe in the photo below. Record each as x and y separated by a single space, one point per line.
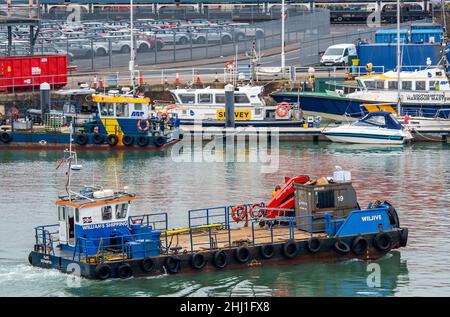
102 98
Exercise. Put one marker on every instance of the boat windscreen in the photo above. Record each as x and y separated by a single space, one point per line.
380 119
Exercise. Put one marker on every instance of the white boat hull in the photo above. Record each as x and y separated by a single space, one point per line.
352 134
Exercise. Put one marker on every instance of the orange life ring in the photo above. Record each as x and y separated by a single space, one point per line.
238 213
256 212
282 109
139 125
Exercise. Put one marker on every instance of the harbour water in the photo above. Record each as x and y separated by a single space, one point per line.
414 178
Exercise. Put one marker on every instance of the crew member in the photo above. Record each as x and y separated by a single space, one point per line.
276 191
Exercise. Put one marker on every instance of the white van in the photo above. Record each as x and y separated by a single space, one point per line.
338 54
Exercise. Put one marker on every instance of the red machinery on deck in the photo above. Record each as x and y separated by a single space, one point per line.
25 73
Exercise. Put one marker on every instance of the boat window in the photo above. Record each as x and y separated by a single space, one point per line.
434 85
379 84
122 109
62 213
106 213
420 85
392 85
121 211
204 98
406 85
137 106
77 215
220 98
187 98
325 199
377 120
370 84
241 98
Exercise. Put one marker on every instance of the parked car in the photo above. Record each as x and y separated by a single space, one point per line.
208 35
241 31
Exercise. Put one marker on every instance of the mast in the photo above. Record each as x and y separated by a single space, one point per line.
283 57
131 65
398 60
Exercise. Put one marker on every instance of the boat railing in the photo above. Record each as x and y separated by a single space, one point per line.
46 237
157 221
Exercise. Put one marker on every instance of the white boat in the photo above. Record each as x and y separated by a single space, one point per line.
375 128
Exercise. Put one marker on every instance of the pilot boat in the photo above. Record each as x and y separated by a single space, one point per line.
374 128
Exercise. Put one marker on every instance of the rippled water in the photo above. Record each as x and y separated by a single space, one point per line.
415 178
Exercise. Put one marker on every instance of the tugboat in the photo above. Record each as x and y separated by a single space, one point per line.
306 221
121 120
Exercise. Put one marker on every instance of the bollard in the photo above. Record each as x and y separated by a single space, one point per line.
229 106
45 99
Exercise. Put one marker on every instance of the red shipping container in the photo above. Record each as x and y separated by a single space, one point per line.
25 73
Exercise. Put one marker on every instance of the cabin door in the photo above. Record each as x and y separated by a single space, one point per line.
70 228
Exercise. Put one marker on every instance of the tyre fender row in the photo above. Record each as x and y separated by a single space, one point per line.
6 137
113 140
220 259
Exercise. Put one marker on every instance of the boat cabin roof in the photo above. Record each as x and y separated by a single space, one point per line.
426 74
380 119
94 198
119 99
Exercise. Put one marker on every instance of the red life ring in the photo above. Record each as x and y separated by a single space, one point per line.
238 213
139 125
282 109
256 212
230 65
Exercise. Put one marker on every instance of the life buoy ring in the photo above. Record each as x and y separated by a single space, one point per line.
124 271
242 254
5 137
256 212
112 139
148 265
128 140
142 140
82 139
198 261
282 109
290 249
382 241
404 237
314 244
173 264
220 259
98 138
230 66
139 125
267 251
238 213
360 245
341 247
103 271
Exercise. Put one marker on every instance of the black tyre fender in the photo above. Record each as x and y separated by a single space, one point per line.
30 257
242 254
404 237
360 245
198 261
180 136
393 216
172 264
124 270
158 140
82 139
112 139
314 245
267 251
103 271
220 259
128 140
142 140
290 249
382 241
6 137
148 265
98 138
341 247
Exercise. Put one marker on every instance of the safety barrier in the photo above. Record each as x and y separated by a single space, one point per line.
46 239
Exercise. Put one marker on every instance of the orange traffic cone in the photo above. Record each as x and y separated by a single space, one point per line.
198 80
141 78
177 78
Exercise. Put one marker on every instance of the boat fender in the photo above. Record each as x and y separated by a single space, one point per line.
314 245
142 140
382 241
103 271
158 140
30 258
360 245
393 216
147 265
238 213
124 270
128 140
5 137
82 139
267 251
341 247
220 259
290 249
256 212
172 264
404 237
180 136
242 254
198 260
98 138
112 139
139 125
